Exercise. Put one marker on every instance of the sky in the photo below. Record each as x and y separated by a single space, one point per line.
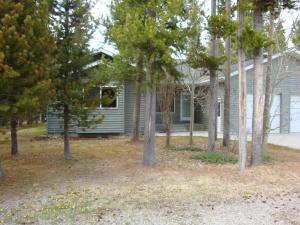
101 10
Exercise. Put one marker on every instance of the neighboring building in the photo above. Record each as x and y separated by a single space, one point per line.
285 110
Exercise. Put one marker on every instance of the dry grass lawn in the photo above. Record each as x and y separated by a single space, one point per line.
106 183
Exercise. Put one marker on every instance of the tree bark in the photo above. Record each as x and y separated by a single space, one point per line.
226 122
242 96
67 153
136 112
192 114
168 137
1 172
212 120
258 107
149 133
14 139
269 86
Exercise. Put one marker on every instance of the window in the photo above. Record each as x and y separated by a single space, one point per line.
158 109
109 97
219 109
185 106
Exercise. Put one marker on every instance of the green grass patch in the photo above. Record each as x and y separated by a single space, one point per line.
185 148
267 158
216 157
40 129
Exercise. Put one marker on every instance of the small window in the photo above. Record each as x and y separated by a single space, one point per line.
109 97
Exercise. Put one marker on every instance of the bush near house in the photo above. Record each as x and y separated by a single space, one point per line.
216 157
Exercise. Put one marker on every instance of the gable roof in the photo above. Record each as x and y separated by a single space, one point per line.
249 65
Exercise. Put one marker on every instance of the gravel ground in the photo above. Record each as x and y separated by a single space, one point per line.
280 210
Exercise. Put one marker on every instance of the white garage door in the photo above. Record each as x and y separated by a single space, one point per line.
295 114
274 112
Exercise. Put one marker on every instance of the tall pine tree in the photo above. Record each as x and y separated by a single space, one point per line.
152 29
25 59
72 84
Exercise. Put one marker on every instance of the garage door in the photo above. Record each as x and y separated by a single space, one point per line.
274 112
295 114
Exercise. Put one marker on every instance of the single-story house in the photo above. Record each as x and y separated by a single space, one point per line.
285 110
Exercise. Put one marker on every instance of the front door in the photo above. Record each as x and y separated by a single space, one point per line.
185 110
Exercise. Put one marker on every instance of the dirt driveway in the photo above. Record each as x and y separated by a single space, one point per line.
106 183
291 140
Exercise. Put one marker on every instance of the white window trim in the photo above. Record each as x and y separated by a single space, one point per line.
117 98
181 117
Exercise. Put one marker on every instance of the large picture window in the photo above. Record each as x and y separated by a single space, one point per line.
109 97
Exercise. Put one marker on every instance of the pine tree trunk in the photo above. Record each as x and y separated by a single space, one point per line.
212 120
136 112
1 172
269 86
258 107
168 137
217 109
226 122
242 96
149 133
67 153
192 111
14 139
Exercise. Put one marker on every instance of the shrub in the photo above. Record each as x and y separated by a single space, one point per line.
185 148
216 157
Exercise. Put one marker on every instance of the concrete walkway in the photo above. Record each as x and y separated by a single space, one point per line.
291 140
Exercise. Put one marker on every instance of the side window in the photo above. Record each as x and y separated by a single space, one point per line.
109 97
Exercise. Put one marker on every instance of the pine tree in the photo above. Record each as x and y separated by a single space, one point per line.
73 84
153 29
25 59
260 41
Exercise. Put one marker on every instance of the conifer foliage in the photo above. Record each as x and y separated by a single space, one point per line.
25 59
153 29
72 83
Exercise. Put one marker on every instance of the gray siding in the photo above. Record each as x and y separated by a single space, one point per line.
129 100
55 124
287 76
113 120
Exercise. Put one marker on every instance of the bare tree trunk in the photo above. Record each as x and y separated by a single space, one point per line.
149 133
258 107
136 112
226 122
14 139
242 96
66 133
212 120
269 86
192 111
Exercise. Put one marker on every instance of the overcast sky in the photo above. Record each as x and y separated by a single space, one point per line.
101 9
